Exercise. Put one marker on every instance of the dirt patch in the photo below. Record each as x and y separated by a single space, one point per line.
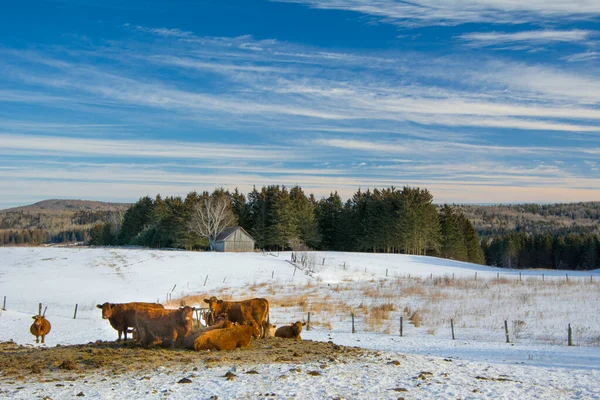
26 363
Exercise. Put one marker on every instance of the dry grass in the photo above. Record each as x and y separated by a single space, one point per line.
480 305
415 319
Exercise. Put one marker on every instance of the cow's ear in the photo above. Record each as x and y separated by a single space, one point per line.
99 305
304 324
33 317
219 301
112 305
206 301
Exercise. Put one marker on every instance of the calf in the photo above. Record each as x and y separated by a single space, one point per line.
122 316
164 327
256 310
291 331
227 338
40 327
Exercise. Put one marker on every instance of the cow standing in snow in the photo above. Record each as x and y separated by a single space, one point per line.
40 327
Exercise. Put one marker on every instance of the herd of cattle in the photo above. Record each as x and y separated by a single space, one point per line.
229 324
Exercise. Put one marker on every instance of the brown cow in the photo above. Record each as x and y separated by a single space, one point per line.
256 310
221 323
122 316
164 327
40 327
228 338
291 331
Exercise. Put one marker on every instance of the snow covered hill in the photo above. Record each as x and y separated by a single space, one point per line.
378 288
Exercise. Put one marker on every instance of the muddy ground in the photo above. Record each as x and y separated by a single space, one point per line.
28 363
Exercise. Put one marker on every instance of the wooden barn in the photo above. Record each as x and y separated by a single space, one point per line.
234 239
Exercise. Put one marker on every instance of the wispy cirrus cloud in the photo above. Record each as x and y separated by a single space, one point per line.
449 12
583 57
525 38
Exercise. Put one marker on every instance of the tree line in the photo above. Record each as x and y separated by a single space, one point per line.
35 237
385 220
573 251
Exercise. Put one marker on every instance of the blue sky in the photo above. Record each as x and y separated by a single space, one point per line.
480 101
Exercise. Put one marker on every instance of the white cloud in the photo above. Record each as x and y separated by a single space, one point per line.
583 57
454 12
35 145
481 39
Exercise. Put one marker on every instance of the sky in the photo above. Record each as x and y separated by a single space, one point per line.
493 101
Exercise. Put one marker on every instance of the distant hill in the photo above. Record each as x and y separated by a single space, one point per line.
70 205
55 221
562 218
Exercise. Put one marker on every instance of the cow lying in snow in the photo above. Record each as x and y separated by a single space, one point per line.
228 338
40 327
164 327
221 323
122 316
256 310
291 331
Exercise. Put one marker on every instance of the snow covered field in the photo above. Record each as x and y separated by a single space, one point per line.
378 288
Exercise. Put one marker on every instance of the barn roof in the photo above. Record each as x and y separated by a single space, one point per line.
229 231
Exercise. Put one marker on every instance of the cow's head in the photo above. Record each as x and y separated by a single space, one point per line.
255 332
271 330
297 327
38 319
187 316
107 309
213 304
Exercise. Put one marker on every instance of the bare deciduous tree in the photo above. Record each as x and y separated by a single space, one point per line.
210 217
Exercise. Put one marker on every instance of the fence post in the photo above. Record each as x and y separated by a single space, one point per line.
272 274
386 272
570 336
40 309
431 276
506 330
498 276
323 261
308 323
75 313
475 275
173 288
401 329
520 279
205 279
224 279
567 275
4 304
542 277
452 326
353 330
453 276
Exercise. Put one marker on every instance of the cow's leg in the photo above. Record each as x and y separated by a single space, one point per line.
119 339
43 336
125 334
37 339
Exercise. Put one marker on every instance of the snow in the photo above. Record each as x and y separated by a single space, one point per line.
529 367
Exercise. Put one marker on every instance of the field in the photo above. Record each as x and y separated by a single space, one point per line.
80 355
